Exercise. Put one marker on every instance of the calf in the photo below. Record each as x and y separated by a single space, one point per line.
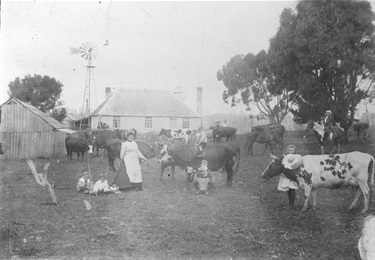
228 132
332 172
77 144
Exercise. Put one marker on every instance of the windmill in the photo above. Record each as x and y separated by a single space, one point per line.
89 52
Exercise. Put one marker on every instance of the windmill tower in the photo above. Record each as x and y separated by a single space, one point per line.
88 52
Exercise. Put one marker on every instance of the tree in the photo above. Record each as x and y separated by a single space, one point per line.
325 54
59 114
250 78
42 92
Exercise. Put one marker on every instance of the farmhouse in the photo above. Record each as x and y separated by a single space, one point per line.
30 133
145 110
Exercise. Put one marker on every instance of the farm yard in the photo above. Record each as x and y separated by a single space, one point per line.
251 220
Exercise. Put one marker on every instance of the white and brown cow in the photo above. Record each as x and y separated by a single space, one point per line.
330 172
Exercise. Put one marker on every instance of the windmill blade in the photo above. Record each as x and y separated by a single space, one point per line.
74 50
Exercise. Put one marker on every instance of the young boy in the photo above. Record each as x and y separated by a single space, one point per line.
84 183
203 179
101 186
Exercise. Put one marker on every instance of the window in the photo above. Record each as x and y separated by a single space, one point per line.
148 122
173 123
185 122
116 122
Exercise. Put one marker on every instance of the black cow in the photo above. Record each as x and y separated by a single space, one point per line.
122 133
228 132
99 141
114 149
77 144
217 156
361 127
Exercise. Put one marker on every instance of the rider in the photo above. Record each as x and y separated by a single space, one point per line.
328 123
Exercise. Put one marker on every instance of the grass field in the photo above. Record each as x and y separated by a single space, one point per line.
251 220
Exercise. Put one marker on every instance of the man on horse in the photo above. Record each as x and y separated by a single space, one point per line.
328 123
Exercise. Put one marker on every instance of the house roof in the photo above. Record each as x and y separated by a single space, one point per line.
144 102
49 120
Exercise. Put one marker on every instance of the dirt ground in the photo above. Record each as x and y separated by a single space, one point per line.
251 220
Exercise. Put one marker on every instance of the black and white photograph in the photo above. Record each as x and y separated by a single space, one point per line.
187 129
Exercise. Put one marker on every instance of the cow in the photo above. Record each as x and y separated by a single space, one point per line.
258 135
179 134
99 141
77 144
332 172
122 133
361 127
217 155
113 146
228 132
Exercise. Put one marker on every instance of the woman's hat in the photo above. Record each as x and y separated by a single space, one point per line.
292 161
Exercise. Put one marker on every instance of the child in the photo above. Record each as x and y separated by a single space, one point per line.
101 186
84 183
288 181
203 180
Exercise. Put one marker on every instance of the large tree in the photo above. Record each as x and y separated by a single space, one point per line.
249 79
42 92
325 54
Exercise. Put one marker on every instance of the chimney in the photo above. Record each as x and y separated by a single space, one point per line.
107 92
199 101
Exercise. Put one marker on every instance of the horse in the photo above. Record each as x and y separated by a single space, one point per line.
270 139
361 127
338 133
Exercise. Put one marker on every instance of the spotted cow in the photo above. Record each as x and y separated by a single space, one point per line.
181 134
332 172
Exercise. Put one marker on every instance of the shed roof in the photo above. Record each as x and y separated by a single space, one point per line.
48 119
144 102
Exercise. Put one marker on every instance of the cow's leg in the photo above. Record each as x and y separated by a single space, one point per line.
307 197
313 195
250 147
111 162
322 149
173 167
358 194
229 169
265 148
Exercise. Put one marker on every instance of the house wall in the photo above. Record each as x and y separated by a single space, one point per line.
28 136
139 123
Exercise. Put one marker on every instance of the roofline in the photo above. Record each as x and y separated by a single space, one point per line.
22 104
149 116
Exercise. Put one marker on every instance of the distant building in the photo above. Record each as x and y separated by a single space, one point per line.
145 110
30 133
69 121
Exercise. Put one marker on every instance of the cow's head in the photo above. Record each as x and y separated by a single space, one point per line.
273 169
162 131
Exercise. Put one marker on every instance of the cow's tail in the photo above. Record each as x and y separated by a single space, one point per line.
371 170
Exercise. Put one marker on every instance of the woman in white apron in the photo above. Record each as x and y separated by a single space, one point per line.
131 154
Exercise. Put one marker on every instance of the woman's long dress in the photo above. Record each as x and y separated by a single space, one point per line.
129 175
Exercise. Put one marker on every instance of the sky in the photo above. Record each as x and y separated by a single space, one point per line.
161 45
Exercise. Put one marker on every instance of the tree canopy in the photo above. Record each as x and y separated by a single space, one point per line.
248 78
325 54
42 92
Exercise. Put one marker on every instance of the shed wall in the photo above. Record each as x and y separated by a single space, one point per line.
28 136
